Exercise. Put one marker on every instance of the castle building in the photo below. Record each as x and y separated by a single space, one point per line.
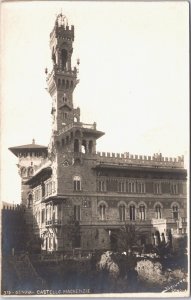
80 198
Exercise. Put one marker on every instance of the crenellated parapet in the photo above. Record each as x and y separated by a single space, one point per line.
14 207
157 160
61 28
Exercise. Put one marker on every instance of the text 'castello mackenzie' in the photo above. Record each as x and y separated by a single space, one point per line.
76 197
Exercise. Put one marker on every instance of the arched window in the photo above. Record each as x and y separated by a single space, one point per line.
132 212
76 146
64 57
30 200
23 172
30 171
90 146
67 84
158 211
122 212
63 83
142 212
102 209
59 82
77 183
84 146
175 212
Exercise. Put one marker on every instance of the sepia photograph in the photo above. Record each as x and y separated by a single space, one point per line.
95 148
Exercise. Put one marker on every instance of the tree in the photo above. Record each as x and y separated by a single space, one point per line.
127 237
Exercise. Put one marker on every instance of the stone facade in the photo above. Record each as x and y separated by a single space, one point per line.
80 197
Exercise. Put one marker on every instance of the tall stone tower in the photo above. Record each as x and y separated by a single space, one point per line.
69 135
63 78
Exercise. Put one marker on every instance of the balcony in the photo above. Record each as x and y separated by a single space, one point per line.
75 125
53 223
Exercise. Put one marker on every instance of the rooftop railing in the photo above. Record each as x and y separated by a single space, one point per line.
75 125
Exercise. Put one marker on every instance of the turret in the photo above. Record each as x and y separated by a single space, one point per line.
30 156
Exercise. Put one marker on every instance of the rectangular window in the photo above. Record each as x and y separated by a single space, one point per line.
174 188
143 188
101 186
77 212
140 187
121 186
157 188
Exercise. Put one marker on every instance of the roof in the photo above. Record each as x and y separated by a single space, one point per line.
32 146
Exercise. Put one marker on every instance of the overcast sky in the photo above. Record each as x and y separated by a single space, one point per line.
133 76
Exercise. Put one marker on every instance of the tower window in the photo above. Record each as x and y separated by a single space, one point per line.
64 57
122 212
90 146
30 171
30 198
23 172
65 115
67 84
77 183
53 56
